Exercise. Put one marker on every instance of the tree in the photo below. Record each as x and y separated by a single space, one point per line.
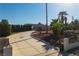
5 28
57 27
53 21
58 30
74 24
62 17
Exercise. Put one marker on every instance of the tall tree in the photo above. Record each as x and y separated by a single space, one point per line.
62 17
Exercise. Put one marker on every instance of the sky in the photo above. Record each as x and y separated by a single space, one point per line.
25 13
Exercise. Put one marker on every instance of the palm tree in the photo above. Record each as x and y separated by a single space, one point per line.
61 17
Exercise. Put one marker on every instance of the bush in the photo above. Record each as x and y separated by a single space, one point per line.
57 27
5 28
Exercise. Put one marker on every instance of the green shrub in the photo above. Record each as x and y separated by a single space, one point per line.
57 27
5 28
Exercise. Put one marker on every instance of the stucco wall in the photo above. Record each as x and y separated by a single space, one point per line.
7 50
68 45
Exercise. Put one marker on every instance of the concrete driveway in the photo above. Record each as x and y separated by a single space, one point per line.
24 45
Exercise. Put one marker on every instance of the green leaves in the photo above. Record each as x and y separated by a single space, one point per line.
57 27
5 28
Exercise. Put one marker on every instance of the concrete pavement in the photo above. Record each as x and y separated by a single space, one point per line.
24 45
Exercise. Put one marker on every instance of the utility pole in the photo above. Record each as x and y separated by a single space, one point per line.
46 20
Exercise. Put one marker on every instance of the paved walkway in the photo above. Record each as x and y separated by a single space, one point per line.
24 45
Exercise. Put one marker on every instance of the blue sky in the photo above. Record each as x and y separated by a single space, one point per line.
35 12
